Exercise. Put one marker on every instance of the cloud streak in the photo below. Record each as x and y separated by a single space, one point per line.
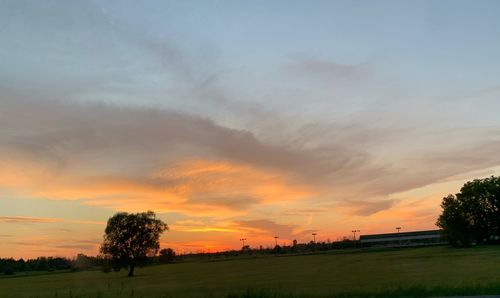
43 220
28 220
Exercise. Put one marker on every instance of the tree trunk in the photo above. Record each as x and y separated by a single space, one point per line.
131 270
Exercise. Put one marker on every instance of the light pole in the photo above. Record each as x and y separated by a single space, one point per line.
354 233
243 240
314 237
354 236
399 237
276 245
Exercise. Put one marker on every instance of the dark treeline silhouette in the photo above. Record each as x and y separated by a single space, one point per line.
472 216
294 248
11 266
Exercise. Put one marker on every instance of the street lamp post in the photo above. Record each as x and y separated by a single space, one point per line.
399 236
243 240
354 233
354 236
276 245
314 237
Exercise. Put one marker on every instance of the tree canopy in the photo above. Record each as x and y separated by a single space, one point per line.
132 237
473 214
167 255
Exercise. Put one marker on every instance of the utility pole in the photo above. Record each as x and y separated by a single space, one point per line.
314 237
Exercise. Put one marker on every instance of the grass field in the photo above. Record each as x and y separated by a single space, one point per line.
417 272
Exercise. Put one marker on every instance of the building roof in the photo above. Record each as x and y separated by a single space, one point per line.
413 234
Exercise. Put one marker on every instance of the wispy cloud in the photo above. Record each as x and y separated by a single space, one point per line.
234 170
125 157
70 246
366 208
269 228
28 220
37 220
324 69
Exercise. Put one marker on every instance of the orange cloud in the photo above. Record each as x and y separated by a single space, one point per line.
230 184
200 226
196 186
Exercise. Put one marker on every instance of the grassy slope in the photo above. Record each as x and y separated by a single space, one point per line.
322 274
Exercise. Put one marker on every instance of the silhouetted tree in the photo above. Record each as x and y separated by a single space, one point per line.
454 222
473 214
21 265
130 238
41 264
167 255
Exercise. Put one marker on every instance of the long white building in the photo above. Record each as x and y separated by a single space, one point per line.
416 238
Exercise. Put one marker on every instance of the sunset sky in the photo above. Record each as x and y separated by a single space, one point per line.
235 119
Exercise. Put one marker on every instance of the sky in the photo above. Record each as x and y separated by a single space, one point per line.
240 119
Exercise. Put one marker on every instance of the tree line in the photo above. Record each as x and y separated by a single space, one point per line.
294 248
11 266
472 216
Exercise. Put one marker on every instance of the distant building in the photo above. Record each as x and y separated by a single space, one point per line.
417 238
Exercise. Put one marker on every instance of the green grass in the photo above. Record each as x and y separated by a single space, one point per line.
418 272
